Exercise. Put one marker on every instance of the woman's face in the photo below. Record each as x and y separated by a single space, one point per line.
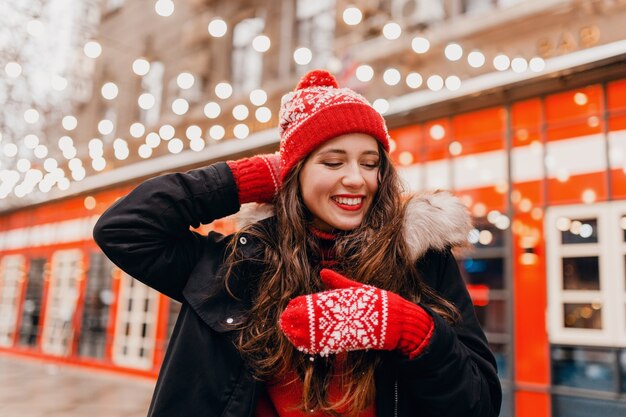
339 181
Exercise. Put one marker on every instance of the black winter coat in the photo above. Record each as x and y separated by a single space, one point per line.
147 235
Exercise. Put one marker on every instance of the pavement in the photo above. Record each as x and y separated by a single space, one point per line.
33 388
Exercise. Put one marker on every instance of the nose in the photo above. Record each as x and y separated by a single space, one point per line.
353 177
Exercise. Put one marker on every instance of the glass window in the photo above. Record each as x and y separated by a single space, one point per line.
491 315
583 316
11 275
135 328
65 273
622 363
484 271
583 368
247 64
487 235
570 406
578 230
316 30
97 303
501 352
581 273
31 309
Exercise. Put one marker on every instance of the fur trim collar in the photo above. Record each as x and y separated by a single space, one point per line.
435 220
432 220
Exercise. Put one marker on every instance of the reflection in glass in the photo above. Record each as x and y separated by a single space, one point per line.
501 352
583 368
582 316
486 235
492 316
574 406
483 271
31 309
97 302
622 361
581 273
575 231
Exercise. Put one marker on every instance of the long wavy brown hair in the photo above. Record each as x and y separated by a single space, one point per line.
375 253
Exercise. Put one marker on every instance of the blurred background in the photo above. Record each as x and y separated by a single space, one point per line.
517 106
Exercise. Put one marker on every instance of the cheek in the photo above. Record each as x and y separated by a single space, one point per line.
371 179
313 191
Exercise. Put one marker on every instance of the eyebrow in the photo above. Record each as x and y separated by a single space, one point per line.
343 152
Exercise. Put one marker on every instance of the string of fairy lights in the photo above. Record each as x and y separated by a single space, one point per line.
26 177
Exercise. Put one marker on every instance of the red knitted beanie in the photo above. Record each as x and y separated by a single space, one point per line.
318 111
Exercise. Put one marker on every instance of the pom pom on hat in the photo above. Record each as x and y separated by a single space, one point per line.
318 111
317 78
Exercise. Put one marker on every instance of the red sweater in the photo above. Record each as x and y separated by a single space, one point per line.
282 398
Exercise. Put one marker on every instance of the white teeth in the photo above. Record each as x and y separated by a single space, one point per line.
348 201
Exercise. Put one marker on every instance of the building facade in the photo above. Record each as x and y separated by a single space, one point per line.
533 139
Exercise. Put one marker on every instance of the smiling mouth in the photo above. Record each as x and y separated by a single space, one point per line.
348 203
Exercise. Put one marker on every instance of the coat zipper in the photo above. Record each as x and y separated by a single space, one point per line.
395 406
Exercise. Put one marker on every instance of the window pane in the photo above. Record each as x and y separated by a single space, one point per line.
492 316
501 352
583 368
582 316
31 310
487 235
486 271
581 273
578 230
622 223
622 361
569 406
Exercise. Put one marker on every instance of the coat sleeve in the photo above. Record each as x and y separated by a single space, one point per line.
456 374
147 233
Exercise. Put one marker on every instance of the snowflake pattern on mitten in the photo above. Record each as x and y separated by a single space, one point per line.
353 316
349 319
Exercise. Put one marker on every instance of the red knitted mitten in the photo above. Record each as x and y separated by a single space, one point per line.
354 316
256 178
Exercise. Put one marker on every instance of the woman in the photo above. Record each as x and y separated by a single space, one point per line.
346 302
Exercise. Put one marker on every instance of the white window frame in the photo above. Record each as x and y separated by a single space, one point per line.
610 250
136 317
616 212
12 274
66 272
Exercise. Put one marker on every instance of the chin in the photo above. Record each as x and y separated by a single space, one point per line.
346 225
